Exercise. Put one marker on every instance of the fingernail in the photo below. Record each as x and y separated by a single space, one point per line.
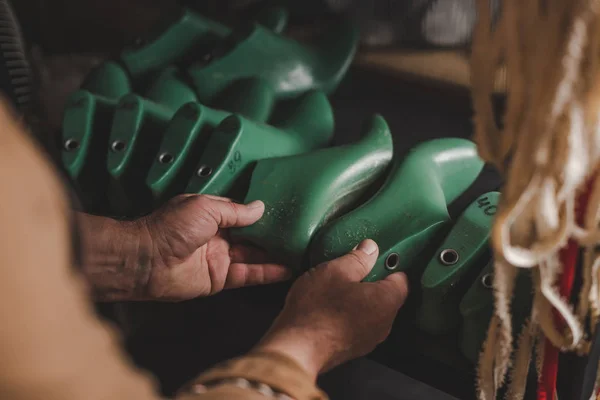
368 246
256 204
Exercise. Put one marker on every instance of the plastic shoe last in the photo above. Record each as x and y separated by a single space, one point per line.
303 192
409 209
454 260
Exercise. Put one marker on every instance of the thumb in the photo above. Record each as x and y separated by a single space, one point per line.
357 264
227 214
396 287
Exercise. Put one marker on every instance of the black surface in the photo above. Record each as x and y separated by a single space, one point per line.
366 379
591 369
414 112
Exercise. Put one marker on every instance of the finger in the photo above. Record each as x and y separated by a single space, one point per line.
396 286
241 275
218 198
248 255
228 214
357 264
210 196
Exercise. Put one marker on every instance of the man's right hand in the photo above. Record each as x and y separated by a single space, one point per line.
330 316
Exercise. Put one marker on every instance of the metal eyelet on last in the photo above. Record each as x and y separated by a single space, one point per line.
392 261
71 144
449 257
204 171
487 281
165 158
117 146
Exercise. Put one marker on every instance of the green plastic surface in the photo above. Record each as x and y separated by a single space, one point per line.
170 90
186 35
183 150
452 262
109 80
154 157
303 192
238 143
86 127
192 58
409 209
136 133
185 136
252 98
476 308
191 35
83 114
181 35
290 67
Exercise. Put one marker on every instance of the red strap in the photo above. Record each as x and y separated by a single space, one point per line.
547 384
568 258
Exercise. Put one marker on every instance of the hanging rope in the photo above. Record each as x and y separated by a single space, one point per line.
548 149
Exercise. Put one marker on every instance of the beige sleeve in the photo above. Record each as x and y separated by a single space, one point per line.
52 346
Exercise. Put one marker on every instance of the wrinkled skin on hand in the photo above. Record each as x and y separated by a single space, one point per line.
192 254
330 316
179 252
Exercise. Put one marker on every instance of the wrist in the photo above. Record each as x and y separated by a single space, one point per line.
117 259
303 347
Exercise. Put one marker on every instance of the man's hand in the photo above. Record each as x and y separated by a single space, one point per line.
192 252
331 316
179 252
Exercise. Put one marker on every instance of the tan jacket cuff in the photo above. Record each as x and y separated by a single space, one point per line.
273 369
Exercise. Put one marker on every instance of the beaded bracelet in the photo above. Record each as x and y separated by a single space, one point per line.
260 387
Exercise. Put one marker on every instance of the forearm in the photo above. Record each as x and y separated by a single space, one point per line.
117 257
